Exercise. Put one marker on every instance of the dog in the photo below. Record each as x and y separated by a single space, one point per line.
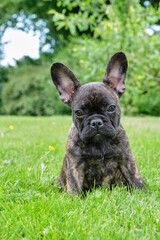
98 153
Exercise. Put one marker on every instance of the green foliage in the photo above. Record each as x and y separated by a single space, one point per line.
31 15
3 81
90 13
30 91
149 103
59 17
88 59
31 206
119 26
123 29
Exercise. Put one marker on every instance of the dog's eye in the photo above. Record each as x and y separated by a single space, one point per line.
111 108
79 113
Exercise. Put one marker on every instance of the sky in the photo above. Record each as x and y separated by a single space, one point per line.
19 44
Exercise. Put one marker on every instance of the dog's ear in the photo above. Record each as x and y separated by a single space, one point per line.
65 81
115 73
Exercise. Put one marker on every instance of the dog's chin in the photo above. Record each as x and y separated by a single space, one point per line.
97 138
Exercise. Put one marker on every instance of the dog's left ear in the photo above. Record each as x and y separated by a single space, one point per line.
115 73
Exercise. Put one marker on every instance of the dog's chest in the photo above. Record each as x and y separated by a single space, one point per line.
98 171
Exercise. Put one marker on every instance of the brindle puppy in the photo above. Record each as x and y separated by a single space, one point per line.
97 151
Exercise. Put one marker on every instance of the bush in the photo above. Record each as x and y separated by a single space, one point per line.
121 26
149 103
3 80
30 91
88 57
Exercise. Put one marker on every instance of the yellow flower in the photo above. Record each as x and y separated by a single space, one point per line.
51 148
53 123
11 127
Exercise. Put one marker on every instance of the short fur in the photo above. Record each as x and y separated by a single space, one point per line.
97 151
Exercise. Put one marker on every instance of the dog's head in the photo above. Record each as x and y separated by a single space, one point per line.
95 106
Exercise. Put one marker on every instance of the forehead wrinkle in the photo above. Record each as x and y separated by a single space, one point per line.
95 95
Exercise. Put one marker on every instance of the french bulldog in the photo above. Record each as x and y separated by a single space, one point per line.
98 153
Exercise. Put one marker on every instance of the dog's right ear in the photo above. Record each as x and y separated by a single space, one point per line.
115 73
65 81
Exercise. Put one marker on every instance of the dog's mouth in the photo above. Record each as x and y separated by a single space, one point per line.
98 137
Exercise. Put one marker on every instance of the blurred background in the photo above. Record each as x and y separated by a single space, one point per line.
83 35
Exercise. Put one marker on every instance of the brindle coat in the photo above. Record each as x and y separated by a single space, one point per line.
97 151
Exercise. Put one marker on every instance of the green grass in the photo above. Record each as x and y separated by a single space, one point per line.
31 206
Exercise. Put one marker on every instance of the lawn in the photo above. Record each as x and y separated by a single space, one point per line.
31 206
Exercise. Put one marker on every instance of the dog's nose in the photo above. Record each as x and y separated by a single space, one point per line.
96 123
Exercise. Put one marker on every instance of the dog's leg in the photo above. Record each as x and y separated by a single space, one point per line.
62 179
75 179
129 170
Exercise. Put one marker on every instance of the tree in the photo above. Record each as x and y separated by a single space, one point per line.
60 17
99 29
30 15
